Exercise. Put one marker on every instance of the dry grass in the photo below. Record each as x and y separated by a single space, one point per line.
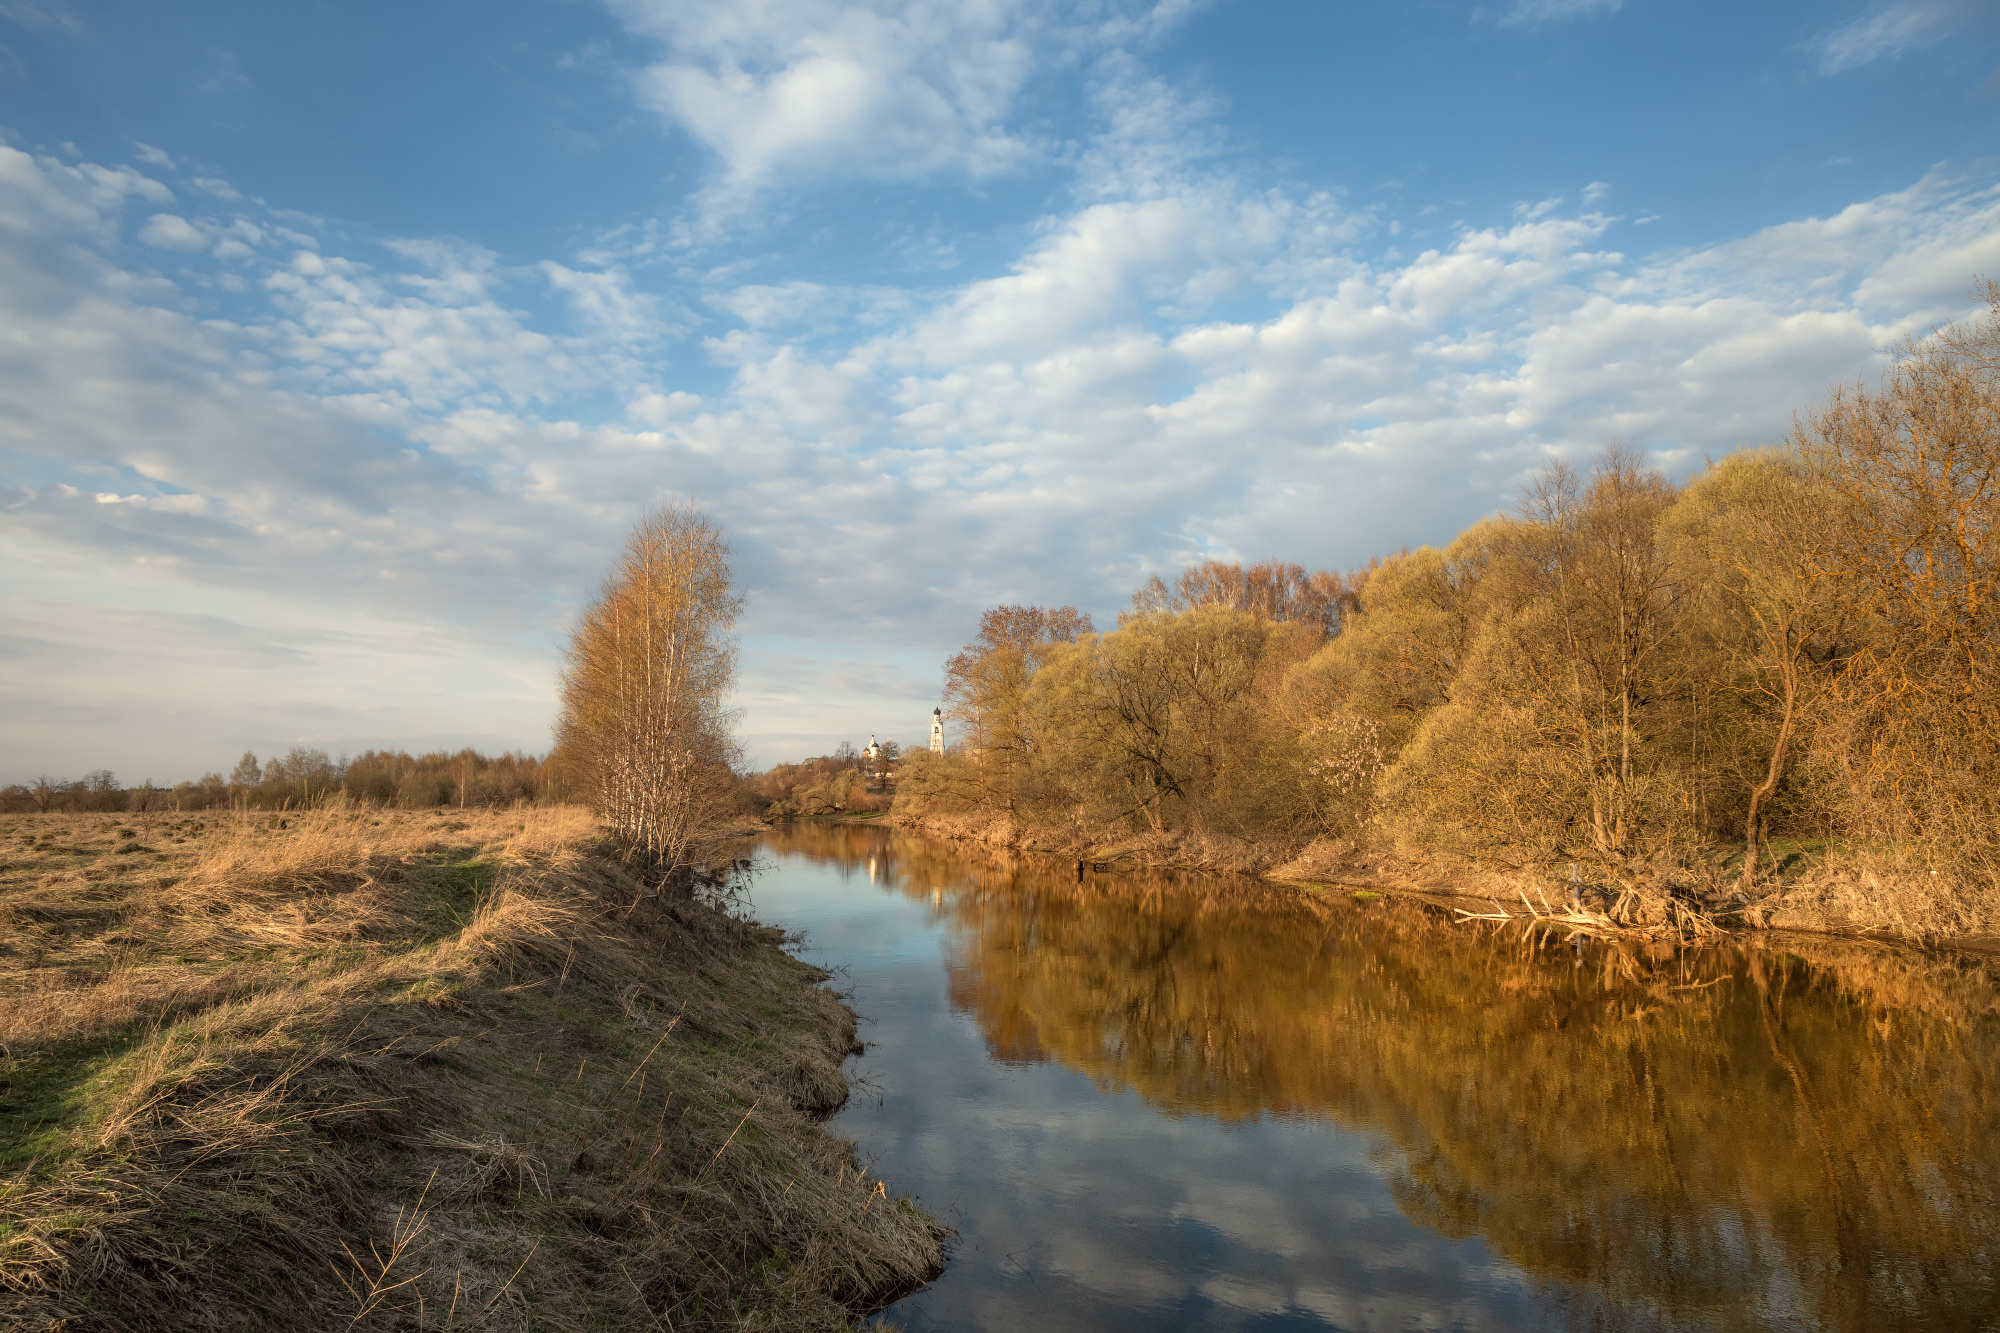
359 1069
1848 890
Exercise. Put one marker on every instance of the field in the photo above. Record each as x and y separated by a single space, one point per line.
357 1068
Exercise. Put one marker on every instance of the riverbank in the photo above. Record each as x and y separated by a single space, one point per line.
399 1069
1813 890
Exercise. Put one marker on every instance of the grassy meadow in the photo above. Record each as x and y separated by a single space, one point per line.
362 1068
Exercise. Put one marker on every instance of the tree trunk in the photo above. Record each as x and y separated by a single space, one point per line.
1760 795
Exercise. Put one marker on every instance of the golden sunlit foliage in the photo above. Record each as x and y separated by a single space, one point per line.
643 731
1270 590
1911 752
1801 643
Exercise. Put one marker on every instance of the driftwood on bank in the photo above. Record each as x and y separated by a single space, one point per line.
1686 920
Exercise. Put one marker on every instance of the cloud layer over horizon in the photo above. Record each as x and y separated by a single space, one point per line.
274 478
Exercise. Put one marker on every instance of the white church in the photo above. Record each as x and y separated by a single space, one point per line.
873 753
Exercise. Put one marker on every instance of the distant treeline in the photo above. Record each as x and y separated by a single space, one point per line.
307 776
827 784
1803 641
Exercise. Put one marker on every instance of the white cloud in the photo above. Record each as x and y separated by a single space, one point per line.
171 232
798 91
1543 11
605 300
1152 137
38 195
435 335
1885 32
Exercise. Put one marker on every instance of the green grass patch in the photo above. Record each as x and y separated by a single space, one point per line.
46 1094
458 886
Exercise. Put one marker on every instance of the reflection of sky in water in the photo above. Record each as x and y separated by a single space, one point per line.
1079 1209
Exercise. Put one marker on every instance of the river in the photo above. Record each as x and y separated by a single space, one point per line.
1153 1102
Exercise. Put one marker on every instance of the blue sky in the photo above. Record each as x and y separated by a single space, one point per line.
340 342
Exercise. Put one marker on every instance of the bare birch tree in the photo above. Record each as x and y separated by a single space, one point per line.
643 726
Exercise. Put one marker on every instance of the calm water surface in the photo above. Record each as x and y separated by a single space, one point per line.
1149 1103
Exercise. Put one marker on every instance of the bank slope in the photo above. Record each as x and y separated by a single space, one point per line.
356 1069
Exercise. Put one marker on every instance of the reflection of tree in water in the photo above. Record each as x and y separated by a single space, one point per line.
1723 1138
850 849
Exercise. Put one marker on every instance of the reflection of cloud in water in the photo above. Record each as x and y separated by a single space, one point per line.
1091 1212
1252 1108
1079 1210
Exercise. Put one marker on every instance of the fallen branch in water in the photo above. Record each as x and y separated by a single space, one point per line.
1578 919
1684 919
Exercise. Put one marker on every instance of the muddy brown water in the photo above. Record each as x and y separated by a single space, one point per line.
1150 1102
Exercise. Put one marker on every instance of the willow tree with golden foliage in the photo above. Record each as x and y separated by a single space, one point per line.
987 683
643 729
1760 538
1912 736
